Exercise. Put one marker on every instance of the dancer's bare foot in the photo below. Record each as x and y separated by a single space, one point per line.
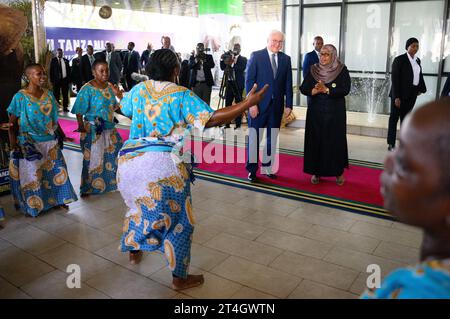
190 282
135 258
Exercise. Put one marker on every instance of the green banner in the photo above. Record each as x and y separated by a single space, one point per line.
230 7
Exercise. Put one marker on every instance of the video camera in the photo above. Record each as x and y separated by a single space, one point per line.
228 56
201 53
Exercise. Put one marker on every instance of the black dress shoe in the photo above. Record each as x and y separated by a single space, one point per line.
271 176
251 177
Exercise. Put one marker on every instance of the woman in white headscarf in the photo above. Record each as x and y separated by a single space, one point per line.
327 84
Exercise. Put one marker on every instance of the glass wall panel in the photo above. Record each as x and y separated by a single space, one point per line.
323 21
431 83
365 38
295 88
369 93
422 20
320 1
293 2
446 54
292 36
444 78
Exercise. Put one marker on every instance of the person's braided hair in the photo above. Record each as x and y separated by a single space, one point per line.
161 65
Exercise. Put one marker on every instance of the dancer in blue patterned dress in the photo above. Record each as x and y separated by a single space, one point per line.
38 172
100 141
152 178
416 189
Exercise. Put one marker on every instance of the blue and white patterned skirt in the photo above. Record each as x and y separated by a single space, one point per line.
39 185
157 193
99 160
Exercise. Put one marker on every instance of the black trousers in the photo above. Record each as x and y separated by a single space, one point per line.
62 86
406 106
230 97
130 82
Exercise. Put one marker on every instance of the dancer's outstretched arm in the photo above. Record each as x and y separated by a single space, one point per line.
226 114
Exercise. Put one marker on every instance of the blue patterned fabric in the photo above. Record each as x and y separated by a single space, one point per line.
100 140
38 118
39 178
152 179
427 280
95 103
102 179
165 223
2 214
161 114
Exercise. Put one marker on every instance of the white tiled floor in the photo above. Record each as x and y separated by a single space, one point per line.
249 244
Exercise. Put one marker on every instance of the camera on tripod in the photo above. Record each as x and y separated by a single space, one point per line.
228 56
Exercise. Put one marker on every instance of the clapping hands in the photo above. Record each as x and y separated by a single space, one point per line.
117 91
319 88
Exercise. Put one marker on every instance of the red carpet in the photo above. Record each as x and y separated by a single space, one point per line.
360 192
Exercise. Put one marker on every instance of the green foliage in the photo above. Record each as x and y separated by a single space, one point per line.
27 40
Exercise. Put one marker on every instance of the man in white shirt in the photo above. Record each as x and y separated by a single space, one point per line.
273 67
407 84
114 62
60 78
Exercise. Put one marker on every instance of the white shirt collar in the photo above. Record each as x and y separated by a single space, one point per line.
411 59
270 52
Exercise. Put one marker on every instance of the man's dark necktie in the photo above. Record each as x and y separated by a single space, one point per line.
274 66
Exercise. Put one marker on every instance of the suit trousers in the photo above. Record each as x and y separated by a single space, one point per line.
406 106
62 86
203 91
230 98
256 127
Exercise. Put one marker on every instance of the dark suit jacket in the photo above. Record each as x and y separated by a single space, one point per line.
115 65
259 71
207 66
239 71
86 69
402 78
184 74
75 73
144 57
446 89
131 63
55 70
310 59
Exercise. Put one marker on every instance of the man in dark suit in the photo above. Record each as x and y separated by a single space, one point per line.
184 76
114 62
273 67
146 55
312 58
235 67
60 78
407 83
86 64
201 80
131 64
75 73
446 89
